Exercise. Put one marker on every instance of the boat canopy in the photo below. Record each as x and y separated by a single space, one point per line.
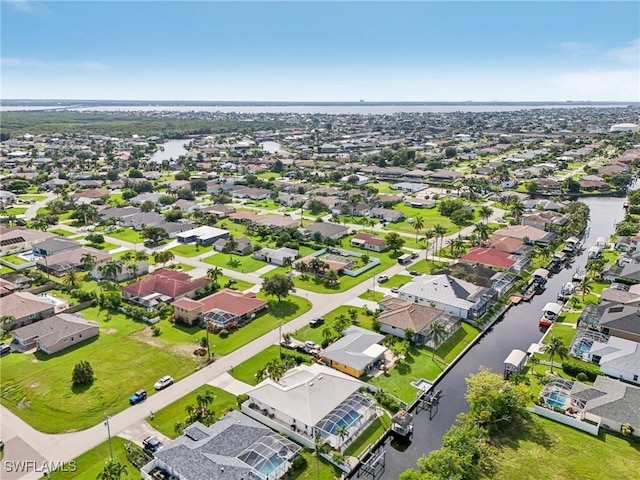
541 272
572 240
515 358
553 308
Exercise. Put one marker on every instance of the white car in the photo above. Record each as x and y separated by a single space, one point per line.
383 278
164 382
312 345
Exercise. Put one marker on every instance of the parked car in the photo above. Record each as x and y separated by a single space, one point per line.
414 255
383 278
4 349
316 322
395 290
164 382
414 273
312 345
151 444
138 397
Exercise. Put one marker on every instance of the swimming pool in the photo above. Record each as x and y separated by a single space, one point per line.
583 346
557 399
28 256
52 300
348 419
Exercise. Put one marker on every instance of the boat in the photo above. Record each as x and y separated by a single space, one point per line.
402 424
579 275
566 291
550 313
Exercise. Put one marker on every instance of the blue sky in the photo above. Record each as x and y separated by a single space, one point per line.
321 51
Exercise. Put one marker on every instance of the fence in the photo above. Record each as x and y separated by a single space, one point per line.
567 420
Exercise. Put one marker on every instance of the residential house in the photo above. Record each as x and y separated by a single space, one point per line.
449 294
357 352
525 233
243 247
56 333
326 230
276 257
398 316
64 262
204 235
129 272
89 196
612 319
186 206
233 448
25 308
163 285
495 258
368 242
54 245
387 214
617 357
252 193
7 287
139 221
312 400
220 308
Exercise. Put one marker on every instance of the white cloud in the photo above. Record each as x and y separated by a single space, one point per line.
616 85
50 65
27 6
630 53
579 48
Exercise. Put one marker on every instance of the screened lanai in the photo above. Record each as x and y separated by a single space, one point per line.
347 420
270 456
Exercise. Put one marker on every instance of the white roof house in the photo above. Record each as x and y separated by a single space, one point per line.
310 400
204 235
625 127
444 292
618 357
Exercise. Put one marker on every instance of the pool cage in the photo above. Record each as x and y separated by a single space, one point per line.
347 420
584 340
270 457
556 393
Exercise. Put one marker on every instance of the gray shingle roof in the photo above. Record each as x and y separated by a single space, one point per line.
350 349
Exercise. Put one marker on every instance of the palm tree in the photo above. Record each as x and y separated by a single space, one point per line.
111 269
88 261
213 273
88 213
482 229
458 244
485 212
340 323
327 333
205 399
319 448
342 432
71 279
555 347
287 263
133 270
418 224
127 257
452 244
39 223
428 235
113 470
517 209
440 232
230 246
586 285
438 335
141 255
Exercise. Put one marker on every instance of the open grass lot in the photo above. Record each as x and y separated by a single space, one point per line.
37 387
369 436
126 235
427 266
397 281
91 462
314 284
571 318
246 371
383 187
284 311
165 419
15 210
551 451
190 250
316 334
103 246
372 296
61 232
430 216
37 198
240 285
409 241
4 270
62 216
418 364
244 264
450 349
184 267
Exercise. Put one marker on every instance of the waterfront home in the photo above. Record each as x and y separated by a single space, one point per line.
357 352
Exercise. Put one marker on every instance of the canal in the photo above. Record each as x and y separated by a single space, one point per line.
518 329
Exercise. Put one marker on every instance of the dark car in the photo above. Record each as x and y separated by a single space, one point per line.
414 255
4 349
151 444
414 273
138 397
316 322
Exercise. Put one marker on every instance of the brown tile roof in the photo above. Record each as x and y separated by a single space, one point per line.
23 304
407 315
230 301
166 282
369 239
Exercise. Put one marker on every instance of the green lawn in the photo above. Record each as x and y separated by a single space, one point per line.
424 266
62 233
244 264
566 332
383 187
37 198
184 267
37 387
313 471
316 334
103 246
4 270
397 281
369 436
14 259
15 210
372 296
314 284
450 349
430 216
290 308
417 365
165 419
547 450
190 250
91 462
127 235
571 318
246 371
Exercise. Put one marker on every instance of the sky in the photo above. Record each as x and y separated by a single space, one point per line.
320 51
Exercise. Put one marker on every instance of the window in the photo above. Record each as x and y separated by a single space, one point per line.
635 378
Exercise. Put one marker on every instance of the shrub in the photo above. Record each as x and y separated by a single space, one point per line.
582 377
243 397
224 333
156 332
574 369
82 373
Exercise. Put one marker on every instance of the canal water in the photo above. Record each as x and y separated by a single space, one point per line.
518 329
172 149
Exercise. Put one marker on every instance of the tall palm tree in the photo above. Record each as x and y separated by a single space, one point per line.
327 333
213 273
418 224
111 269
342 432
428 235
319 448
555 347
485 212
517 209
482 229
71 279
451 243
205 399
438 335
231 246
586 285
287 263
127 257
440 231
141 255
88 261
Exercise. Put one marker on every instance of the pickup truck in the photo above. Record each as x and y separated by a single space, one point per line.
151 444
137 397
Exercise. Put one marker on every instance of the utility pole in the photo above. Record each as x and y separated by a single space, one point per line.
280 335
206 328
106 422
